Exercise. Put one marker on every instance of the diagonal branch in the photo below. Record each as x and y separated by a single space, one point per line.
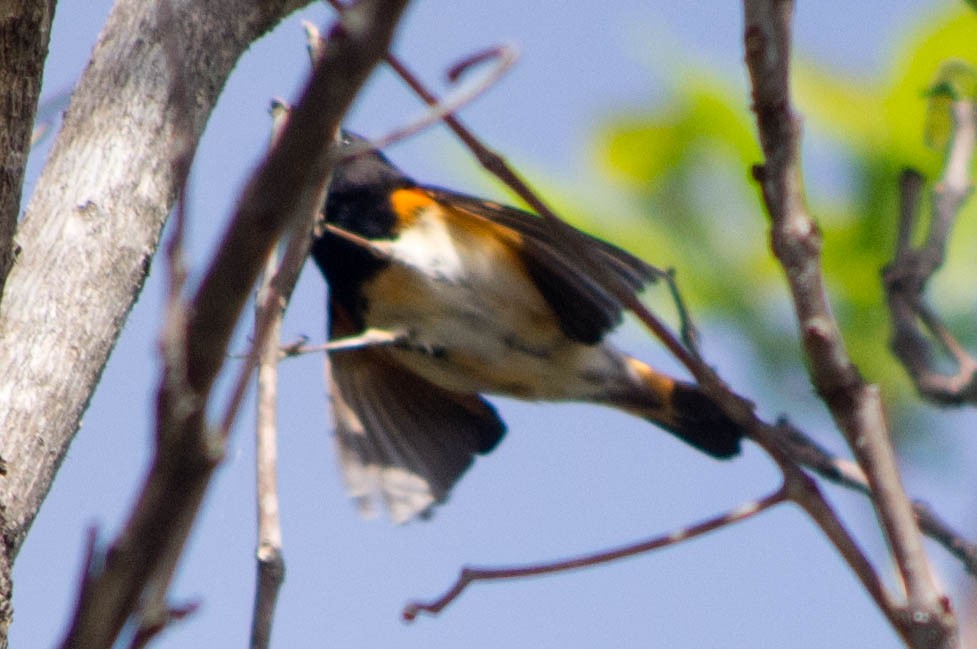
103 224
281 193
854 404
843 472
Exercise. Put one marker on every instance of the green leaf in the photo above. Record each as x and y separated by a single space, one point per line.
956 79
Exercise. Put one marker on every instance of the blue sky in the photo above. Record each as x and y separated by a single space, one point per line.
568 478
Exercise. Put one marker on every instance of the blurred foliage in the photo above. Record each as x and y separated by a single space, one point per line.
955 80
682 174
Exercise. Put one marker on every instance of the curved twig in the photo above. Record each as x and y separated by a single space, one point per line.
503 56
471 575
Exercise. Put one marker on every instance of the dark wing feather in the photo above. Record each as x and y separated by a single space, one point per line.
585 310
401 437
584 303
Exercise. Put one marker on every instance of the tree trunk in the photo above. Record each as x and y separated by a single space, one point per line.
93 224
25 29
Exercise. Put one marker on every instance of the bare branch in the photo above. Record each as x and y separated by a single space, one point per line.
146 632
848 474
808 453
504 58
855 405
906 277
280 292
379 249
271 562
470 575
803 490
270 577
103 224
281 194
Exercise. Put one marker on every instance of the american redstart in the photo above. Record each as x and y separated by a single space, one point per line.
436 298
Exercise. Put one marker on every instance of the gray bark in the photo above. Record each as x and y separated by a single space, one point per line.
93 224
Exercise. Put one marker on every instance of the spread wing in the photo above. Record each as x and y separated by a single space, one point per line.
583 303
401 438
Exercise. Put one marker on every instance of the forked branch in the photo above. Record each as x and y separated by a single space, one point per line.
925 620
911 269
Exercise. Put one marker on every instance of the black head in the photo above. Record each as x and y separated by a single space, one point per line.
364 169
358 201
359 192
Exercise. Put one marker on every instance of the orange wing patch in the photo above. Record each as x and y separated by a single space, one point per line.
408 204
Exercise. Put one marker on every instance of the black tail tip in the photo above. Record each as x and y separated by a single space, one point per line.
701 423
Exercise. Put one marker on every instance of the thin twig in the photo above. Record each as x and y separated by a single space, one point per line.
145 634
687 329
369 338
855 405
504 57
843 472
280 292
270 560
470 575
803 490
379 249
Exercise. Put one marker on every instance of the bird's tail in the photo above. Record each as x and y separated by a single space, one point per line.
682 409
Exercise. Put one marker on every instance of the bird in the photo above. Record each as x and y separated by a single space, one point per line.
437 299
